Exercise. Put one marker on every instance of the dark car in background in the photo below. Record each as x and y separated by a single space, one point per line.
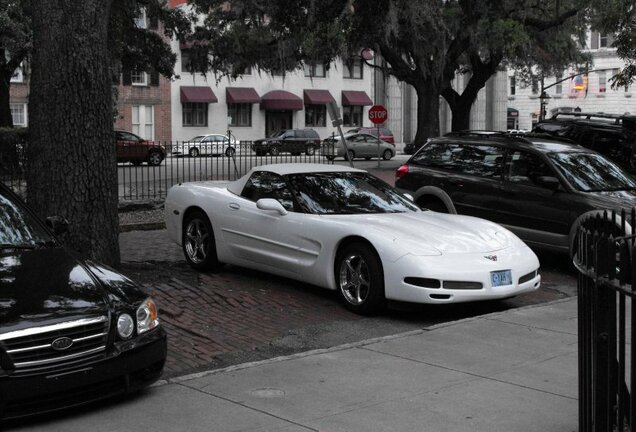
294 141
535 186
72 331
614 136
134 149
385 134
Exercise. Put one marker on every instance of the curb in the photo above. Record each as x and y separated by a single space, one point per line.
188 377
144 226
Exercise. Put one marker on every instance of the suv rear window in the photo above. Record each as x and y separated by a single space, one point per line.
479 160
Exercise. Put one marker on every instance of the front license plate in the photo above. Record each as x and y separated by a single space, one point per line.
501 278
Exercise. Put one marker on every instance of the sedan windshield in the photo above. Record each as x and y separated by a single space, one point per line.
18 228
347 193
589 172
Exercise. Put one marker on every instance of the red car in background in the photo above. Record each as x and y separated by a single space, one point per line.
385 134
134 149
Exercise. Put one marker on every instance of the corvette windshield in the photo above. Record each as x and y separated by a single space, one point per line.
18 228
347 193
589 172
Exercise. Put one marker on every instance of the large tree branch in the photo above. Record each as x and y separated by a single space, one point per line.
544 25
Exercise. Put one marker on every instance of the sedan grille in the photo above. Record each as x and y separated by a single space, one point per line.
57 344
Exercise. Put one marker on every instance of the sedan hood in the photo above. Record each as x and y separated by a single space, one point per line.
431 233
47 285
614 200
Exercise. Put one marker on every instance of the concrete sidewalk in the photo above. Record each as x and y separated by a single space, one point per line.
509 371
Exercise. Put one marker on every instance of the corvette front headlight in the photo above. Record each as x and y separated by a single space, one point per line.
147 316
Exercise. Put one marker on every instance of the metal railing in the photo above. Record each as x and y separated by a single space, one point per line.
606 260
146 172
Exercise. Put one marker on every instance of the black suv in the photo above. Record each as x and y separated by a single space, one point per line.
537 187
611 135
294 141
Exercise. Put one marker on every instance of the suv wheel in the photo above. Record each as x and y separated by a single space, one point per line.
310 150
274 151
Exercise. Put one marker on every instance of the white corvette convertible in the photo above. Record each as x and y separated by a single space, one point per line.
343 229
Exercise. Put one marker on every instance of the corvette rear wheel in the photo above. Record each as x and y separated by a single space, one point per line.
360 279
198 242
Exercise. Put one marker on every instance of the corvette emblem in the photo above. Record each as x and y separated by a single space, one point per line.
60 344
491 257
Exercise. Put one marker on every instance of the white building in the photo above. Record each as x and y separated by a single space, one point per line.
591 93
257 103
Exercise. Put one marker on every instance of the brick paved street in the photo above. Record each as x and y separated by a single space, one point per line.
237 315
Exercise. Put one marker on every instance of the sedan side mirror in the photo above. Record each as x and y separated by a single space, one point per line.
272 205
57 224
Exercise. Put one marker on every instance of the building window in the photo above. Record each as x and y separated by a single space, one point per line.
535 85
143 120
353 69
352 115
602 82
315 70
141 20
18 75
185 60
18 114
138 78
195 114
513 85
316 115
240 114
605 40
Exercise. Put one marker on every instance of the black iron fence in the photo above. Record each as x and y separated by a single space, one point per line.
606 262
145 171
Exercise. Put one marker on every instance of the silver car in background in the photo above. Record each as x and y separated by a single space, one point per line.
212 145
360 145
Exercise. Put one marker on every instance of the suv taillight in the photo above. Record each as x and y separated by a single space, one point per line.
401 171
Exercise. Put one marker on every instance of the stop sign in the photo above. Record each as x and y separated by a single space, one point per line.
378 114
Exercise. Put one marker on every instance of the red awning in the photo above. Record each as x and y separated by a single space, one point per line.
353 97
198 95
246 95
281 100
317 97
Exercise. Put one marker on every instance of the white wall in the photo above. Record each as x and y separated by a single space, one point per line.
609 102
262 82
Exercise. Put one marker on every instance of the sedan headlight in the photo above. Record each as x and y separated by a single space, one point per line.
125 326
147 317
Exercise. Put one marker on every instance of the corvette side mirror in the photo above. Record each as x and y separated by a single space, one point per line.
272 205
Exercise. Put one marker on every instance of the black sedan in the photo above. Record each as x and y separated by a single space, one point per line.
72 331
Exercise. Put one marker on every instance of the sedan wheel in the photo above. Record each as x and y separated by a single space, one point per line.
360 279
350 155
154 158
198 242
230 152
387 155
194 152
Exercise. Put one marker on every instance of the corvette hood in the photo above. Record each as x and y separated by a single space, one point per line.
424 233
38 286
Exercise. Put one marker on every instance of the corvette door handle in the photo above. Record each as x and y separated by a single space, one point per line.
234 206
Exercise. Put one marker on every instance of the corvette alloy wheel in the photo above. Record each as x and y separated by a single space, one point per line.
198 242
354 279
360 279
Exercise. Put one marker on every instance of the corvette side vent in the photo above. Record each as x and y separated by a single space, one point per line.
527 277
423 282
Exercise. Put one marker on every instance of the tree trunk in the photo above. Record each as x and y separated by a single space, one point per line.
5 109
72 170
427 112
